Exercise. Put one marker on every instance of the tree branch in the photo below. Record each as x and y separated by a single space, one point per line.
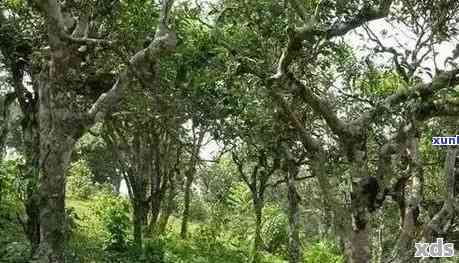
400 70
240 169
309 32
320 106
164 43
424 91
308 142
281 181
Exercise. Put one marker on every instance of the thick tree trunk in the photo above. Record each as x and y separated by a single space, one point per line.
258 205
56 148
294 246
187 201
404 249
359 238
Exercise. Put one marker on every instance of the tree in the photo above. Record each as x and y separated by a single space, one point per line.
256 180
197 133
17 49
62 120
326 90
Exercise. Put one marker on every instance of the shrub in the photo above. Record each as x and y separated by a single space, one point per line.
275 230
154 250
113 212
71 224
15 252
79 182
323 252
14 247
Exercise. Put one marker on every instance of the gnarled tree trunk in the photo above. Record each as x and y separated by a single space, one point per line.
359 241
59 131
56 148
404 250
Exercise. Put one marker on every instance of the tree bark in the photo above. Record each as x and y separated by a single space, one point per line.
32 202
258 205
294 247
59 131
157 197
379 253
404 250
56 149
359 236
138 223
165 215
167 209
156 204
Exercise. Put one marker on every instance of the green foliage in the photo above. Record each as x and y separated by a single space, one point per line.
79 181
154 250
218 77
102 228
14 247
87 242
98 157
9 171
71 222
322 252
14 252
11 187
204 248
136 21
380 83
240 203
198 210
275 230
113 212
